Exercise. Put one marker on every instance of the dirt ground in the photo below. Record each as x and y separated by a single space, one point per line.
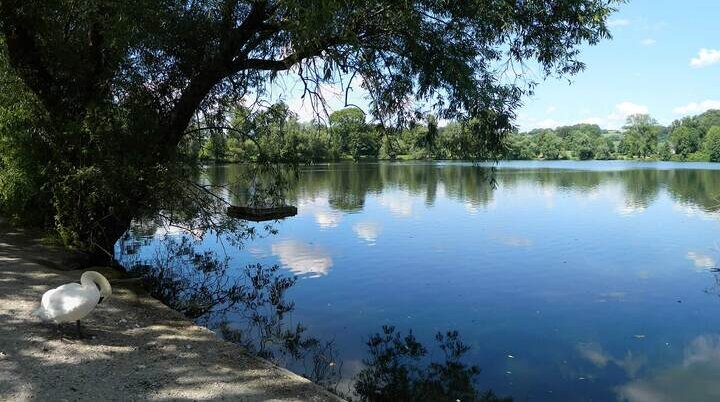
137 349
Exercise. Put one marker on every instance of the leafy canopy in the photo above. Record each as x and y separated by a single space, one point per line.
118 83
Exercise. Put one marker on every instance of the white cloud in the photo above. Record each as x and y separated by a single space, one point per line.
595 354
628 209
618 22
625 109
303 108
368 231
169 230
593 120
648 42
471 207
613 121
697 107
700 260
310 108
622 111
692 379
399 204
692 210
327 219
706 57
319 207
303 259
530 122
546 123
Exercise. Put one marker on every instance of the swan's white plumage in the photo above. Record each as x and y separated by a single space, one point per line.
73 301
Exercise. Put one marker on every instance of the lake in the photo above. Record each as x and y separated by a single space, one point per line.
571 281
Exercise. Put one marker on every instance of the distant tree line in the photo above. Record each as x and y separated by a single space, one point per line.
694 138
275 134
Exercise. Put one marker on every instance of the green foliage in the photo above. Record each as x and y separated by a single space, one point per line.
685 140
354 135
425 139
592 130
348 125
284 139
641 132
364 144
712 144
581 144
707 120
688 135
642 137
215 148
23 192
120 89
603 148
664 151
549 145
521 147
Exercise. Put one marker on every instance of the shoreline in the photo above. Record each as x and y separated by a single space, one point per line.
207 164
137 349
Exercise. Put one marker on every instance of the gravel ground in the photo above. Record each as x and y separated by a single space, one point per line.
137 349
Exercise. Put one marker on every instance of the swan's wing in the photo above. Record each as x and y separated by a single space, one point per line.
69 302
44 311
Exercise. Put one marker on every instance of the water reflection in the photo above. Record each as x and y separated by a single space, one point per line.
629 363
327 219
251 309
367 231
399 204
302 258
345 187
582 272
393 371
694 379
701 261
628 209
514 241
319 207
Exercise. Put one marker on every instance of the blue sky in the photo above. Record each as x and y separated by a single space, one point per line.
647 67
664 59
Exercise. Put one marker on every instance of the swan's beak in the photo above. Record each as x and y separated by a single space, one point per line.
101 299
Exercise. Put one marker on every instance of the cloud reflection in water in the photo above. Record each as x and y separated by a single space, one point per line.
694 380
701 261
368 231
302 258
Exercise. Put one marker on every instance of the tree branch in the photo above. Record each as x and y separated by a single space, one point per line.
214 71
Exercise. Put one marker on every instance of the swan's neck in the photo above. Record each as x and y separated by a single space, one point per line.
91 278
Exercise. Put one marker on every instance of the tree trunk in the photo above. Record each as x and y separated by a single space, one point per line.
102 251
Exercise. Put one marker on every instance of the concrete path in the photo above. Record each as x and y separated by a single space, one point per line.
139 349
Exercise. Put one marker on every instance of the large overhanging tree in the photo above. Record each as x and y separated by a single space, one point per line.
98 95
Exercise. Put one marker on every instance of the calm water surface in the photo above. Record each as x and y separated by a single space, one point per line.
572 281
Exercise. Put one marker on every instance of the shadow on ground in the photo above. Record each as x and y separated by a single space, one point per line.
138 348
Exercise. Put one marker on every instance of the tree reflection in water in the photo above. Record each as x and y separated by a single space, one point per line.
203 287
251 309
347 185
393 371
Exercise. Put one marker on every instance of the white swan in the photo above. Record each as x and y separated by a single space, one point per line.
73 301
